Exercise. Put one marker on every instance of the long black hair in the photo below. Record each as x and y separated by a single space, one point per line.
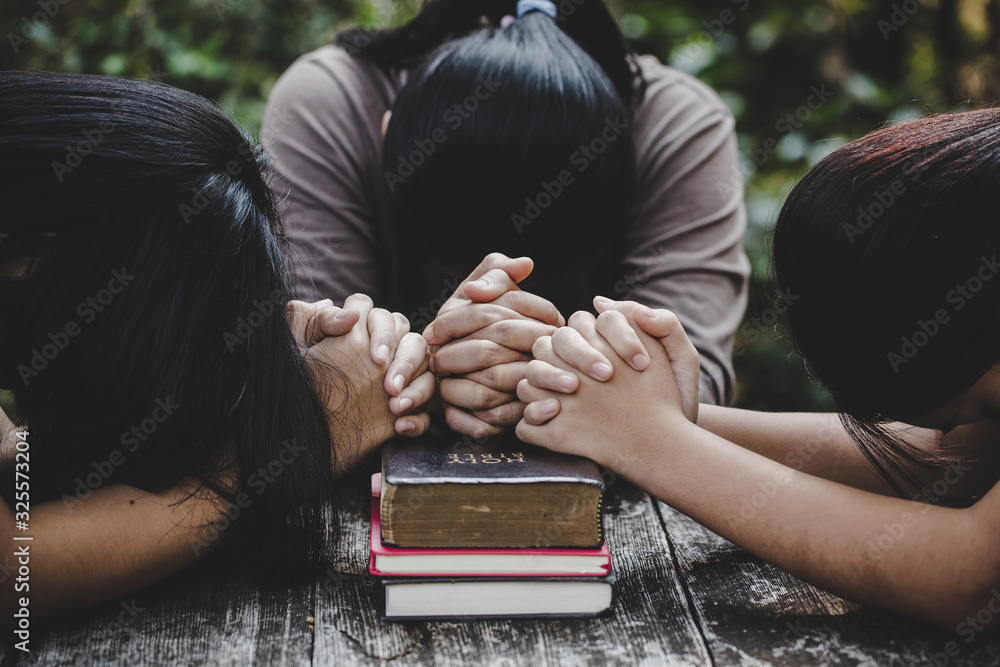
143 320
513 138
889 246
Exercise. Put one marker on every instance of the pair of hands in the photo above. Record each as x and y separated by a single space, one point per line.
381 384
481 341
611 388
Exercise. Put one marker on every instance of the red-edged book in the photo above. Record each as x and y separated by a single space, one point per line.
459 562
423 584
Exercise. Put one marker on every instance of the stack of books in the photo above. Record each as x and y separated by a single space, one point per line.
483 530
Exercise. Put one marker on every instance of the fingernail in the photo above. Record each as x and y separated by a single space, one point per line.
405 404
382 352
549 406
429 332
565 382
640 361
603 300
406 427
398 382
645 311
340 315
479 283
601 370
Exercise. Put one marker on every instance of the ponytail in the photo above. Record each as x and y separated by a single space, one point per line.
586 22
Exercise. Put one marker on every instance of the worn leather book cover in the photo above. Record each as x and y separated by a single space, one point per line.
445 490
454 562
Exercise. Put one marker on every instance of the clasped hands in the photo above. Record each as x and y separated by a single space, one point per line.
503 357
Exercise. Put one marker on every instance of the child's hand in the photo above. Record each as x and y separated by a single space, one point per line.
619 324
618 422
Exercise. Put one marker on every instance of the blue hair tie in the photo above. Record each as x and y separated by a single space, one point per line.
543 6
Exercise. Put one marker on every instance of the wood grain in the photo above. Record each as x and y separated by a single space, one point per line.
686 597
203 616
752 613
650 622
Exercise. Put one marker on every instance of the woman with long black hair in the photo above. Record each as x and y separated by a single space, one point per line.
521 128
891 248
164 386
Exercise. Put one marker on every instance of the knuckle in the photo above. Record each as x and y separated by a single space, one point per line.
542 344
579 317
361 299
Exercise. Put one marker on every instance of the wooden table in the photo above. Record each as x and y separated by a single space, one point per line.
686 597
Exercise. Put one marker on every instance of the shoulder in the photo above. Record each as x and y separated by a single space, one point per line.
676 103
333 78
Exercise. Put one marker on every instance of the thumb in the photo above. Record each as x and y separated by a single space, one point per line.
491 285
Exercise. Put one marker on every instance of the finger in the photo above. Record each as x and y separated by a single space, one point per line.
472 395
463 321
518 268
298 314
516 334
490 286
360 304
569 345
503 377
382 329
473 355
410 359
414 395
543 436
544 375
507 414
413 425
334 321
302 317
530 305
461 421
620 335
527 392
539 412
402 325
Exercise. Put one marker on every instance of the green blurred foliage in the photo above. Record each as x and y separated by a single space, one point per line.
871 61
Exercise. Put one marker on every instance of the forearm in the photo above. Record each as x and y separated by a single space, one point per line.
811 442
116 541
818 444
874 549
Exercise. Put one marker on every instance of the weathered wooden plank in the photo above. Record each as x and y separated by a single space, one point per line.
650 623
752 613
201 616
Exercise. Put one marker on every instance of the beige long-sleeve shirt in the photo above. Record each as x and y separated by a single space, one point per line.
684 250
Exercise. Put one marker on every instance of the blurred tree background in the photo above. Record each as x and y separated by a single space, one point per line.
802 77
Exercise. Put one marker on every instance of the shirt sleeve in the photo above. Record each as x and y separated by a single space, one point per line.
322 126
686 245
